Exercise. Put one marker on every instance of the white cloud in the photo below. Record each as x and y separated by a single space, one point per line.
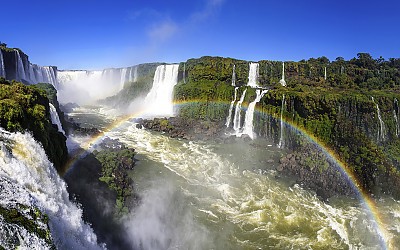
161 32
210 8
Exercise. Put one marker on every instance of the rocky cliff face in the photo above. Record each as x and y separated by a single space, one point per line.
16 66
26 108
349 106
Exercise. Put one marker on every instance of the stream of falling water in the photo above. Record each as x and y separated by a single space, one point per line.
201 196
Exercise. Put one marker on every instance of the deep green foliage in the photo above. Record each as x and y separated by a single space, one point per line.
338 110
26 108
116 164
16 217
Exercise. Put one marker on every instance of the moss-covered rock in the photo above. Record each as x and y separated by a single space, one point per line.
26 108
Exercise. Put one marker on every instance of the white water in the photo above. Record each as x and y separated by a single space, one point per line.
195 198
55 119
234 76
237 117
2 66
12 196
184 73
382 131
20 67
159 101
253 75
229 118
24 163
395 114
123 77
133 76
84 87
282 81
281 143
325 74
29 72
248 121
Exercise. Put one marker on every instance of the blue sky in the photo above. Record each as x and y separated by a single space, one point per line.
95 34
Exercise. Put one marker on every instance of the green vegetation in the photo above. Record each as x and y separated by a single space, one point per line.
133 90
116 162
338 110
27 108
30 219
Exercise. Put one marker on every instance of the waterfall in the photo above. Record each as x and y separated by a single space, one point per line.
396 115
229 118
32 75
382 131
253 75
49 75
248 121
135 74
281 143
25 166
184 72
84 86
55 119
282 81
237 117
234 76
159 101
2 66
20 67
325 74
123 77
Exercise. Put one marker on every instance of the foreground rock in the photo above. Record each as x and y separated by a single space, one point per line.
189 129
311 169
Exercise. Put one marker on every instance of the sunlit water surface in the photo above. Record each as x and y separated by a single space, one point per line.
198 195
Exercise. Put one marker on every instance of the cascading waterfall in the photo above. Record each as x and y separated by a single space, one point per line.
20 67
282 81
237 117
32 75
55 119
229 118
325 73
382 131
159 101
2 67
24 163
281 143
396 115
135 74
49 76
253 75
83 86
234 76
248 121
184 73
123 77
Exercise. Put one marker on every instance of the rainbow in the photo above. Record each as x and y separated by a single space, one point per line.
368 203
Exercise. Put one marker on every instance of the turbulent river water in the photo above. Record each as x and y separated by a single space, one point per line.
197 195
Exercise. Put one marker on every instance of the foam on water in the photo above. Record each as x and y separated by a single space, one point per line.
24 163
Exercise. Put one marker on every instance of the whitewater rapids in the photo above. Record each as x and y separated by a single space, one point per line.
30 179
199 196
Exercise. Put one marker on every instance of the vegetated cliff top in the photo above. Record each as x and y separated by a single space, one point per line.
362 71
26 108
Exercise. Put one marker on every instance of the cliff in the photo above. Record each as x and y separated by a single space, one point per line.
26 108
15 65
350 106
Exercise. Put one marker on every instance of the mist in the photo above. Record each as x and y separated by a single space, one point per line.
164 221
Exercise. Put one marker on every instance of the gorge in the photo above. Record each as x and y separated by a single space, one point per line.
290 155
